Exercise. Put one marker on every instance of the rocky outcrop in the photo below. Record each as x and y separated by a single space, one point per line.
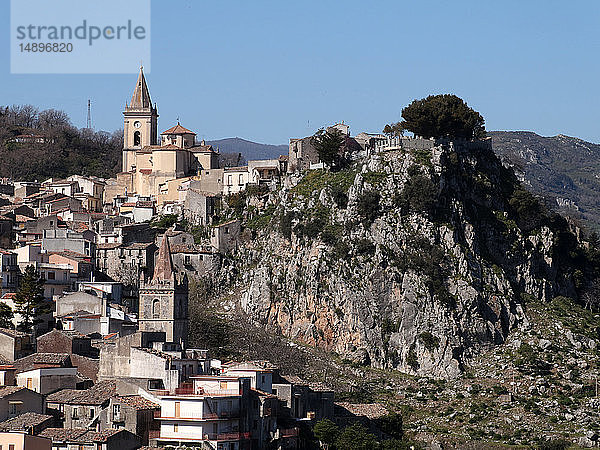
414 259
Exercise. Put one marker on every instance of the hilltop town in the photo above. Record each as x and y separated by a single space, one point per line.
314 299
102 359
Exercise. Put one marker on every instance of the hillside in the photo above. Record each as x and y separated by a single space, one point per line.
563 169
425 280
416 260
249 150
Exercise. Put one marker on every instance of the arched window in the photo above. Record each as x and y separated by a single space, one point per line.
156 309
137 138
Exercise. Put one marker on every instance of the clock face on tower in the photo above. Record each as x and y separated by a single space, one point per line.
137 124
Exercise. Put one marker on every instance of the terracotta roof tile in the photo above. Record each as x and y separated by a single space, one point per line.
138 402
178 129
24 421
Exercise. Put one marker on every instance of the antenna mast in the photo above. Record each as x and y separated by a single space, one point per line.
89 115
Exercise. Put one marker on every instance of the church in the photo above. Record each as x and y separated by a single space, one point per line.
148 164
163 305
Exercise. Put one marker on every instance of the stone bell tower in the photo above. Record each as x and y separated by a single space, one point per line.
164 299
140 122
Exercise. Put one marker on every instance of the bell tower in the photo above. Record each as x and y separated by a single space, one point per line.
164 299
140 122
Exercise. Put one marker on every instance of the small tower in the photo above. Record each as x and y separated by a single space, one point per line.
140 122
164 299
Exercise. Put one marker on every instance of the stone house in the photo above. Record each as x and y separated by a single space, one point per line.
59 240
133 413
79 347
81 408
84 439
15 344
66 342
301 400
30 422
195 260
9 271
225 237
48 380
302 153
16 400
125 262
6 232
145 355
199 206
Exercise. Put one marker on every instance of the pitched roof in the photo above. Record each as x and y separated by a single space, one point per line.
23 421
138 402
13 333
79 435
42 359
178 129
96 395
141 95
163 269
5 391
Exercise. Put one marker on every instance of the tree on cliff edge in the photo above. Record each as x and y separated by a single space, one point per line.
440 116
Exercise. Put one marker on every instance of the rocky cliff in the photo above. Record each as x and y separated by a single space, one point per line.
416 259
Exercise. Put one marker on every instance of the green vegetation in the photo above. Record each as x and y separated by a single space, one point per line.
440 116
67 150
328 144
165 221
29 301
419 194
368 207
430 341
357 437
316 180
411 359
6 316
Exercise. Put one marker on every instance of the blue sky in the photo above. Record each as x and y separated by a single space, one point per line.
271 70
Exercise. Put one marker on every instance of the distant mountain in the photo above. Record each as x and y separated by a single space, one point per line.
250 150
565 170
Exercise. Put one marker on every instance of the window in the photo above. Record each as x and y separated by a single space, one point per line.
241 180
116 411
177 409
223 384
229 180
137 138
92 411
12 409
226 230
262 379
74 414
11 446
175 428
274 391
51 276
29 383
156 309
187 259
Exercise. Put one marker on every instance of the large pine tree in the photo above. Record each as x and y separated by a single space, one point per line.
29 301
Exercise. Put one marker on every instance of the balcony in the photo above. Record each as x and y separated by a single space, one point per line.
288 433
235 414
234 436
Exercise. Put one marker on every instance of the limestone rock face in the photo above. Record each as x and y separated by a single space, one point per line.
414 260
